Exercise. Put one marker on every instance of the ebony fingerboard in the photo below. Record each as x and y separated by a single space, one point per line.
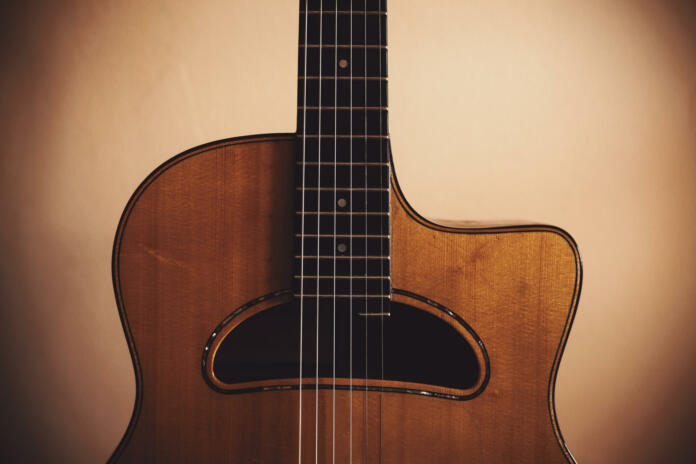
342 229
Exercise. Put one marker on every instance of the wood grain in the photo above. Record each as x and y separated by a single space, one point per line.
212 229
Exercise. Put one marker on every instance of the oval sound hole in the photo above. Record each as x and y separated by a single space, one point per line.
410 345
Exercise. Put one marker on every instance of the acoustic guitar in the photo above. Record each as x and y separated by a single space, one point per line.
283 303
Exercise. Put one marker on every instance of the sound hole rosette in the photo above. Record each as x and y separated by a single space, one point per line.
254 307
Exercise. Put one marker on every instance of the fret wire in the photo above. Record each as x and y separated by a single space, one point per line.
342 296
342 257
342 108
341 163
368 12
368 277
345 78
344 213
343 136
343 236
369 189
342 46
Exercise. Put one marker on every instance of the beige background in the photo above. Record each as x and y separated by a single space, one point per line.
579 114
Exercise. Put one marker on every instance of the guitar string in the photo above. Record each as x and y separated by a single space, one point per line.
350 237
335 102
381 230
367 425
365 121
318 298
302 234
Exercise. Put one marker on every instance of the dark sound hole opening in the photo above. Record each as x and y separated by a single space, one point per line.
410 345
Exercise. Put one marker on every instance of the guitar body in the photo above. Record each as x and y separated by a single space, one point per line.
209 233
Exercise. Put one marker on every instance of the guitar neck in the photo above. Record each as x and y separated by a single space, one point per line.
342 179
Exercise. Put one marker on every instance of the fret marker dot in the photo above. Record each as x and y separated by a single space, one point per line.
343 64
342 247
342 202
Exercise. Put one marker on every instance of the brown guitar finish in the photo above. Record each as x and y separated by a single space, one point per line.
211 229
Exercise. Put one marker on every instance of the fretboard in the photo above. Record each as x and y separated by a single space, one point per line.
342 229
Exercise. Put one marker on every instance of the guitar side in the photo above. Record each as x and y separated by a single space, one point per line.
211 229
